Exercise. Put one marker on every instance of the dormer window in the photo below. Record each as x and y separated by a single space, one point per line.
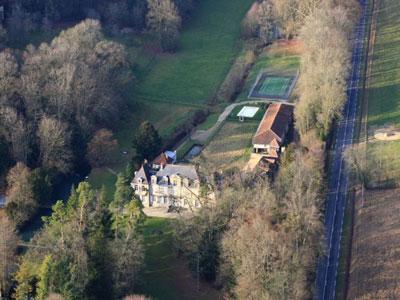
166 179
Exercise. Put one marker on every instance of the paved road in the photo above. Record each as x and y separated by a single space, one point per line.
338 181
2 201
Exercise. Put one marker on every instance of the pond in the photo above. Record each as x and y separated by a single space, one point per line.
194 151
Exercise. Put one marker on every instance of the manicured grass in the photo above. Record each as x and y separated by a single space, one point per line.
229 147
165 275
208 46
276 59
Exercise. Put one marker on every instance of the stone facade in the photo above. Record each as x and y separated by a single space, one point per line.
169 185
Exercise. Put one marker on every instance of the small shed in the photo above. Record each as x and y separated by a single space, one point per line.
247 112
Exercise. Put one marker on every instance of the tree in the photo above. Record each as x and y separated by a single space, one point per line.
163 20
17 133
44 278
21 202
9 75
147 142
128 256
76 254
323 90
265 22
8 254
80 76
101 148
55 145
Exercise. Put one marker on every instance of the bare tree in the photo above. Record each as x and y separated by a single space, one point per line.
21 203
265 21
101 148
8 256
323 89
163 19
55 145
9 80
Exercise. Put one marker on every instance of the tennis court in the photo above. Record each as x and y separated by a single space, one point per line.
273 87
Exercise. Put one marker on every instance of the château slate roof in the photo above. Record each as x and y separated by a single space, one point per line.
185 171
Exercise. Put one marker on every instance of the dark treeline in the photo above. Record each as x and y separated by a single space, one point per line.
163 18
124 13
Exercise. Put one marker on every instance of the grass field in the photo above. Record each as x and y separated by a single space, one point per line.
384 90
208 46
230 147
166 276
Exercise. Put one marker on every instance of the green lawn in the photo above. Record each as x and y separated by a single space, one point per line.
166 276
208 46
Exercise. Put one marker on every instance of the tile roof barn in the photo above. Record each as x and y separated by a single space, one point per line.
273 127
